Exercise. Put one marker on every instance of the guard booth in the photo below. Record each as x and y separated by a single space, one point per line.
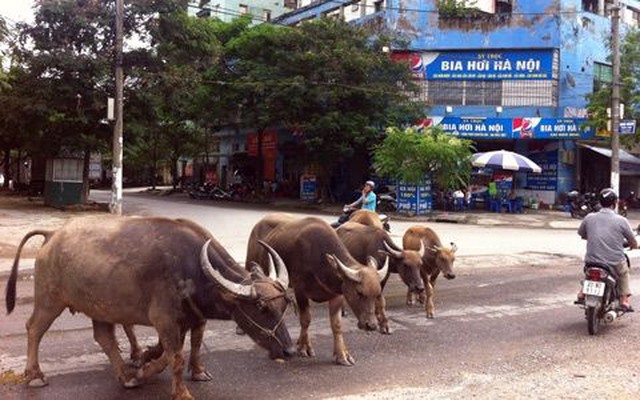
63 182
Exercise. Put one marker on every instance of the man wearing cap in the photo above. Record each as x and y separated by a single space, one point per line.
605 233
368 199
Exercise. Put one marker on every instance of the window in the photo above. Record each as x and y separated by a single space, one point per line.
266 15
515 93
602 75
483 93
244 9
529 93
590 6
378 5
446 92
67 170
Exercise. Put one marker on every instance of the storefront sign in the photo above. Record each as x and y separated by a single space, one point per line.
415 199
627 127
269 143
548 179
512 128
308 186
483 65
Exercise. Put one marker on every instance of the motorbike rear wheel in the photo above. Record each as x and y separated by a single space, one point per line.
593 321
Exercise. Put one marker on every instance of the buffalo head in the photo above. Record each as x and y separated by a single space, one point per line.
361 287
408 264
444 259
260 302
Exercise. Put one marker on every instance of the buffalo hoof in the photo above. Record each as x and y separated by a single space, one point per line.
185 395
131 383
347 361
430 315
384 329
239 331
202 376
38 383
306 351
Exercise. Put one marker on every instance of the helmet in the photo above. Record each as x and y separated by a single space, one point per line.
608 197
372 184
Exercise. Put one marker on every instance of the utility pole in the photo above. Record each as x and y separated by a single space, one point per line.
615 98
116 187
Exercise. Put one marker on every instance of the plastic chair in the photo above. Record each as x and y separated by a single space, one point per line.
458 204
506 204
517 205
494 205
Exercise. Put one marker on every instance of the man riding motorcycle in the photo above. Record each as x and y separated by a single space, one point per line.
606 233
367 201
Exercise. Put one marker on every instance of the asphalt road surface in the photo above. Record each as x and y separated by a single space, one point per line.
505 328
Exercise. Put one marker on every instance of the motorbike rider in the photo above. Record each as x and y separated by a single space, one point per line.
366 201
605 233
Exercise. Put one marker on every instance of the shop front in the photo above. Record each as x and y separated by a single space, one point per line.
549 142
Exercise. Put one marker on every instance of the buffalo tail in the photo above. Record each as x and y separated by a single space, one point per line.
10 293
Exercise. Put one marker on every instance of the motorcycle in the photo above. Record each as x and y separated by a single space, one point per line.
346 214
209 191
386 202
581 205
600 292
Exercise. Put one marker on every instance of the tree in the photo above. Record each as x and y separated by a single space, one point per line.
328 79
600 100
409 155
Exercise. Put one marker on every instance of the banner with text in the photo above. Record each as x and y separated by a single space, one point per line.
482 65
512 128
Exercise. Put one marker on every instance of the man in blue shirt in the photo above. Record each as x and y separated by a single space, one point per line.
368 199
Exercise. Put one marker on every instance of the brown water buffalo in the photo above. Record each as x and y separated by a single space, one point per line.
367 241
149 271
366 217
436 259
321 269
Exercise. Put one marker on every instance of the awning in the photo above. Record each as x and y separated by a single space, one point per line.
629 164
625 157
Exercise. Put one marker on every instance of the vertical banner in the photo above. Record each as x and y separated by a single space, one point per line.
308 186
415 199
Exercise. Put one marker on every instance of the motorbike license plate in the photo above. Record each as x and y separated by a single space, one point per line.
593 288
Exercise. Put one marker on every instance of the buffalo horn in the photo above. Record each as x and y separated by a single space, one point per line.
422 249
392 251
454 248
279 273
382 272
215 275
350 273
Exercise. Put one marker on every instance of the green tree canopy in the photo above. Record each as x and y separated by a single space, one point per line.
409 155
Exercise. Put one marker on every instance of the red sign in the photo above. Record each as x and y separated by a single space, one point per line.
269 144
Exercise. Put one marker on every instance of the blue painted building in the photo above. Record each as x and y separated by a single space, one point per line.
509 74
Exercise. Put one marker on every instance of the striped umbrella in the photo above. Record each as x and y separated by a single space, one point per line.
506 160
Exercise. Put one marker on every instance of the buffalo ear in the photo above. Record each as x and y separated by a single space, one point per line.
331 260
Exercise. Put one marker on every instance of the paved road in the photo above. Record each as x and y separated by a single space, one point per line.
504 328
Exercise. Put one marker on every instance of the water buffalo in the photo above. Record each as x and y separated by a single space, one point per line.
435 259
149 271
363 241
321 269
366 217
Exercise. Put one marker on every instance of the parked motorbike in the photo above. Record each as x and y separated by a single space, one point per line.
386 202
346 214
580 205
209 191
600 292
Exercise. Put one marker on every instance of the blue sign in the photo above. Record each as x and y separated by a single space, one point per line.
308 185
627 127
513 128
485 65
548 179
415 199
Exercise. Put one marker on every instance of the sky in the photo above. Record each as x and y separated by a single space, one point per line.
16 10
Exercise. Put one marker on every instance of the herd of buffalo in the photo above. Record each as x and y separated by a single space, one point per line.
173 275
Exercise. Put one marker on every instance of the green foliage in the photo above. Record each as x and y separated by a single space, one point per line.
456 8
409 155
600 100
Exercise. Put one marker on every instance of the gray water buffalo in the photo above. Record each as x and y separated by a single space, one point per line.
149 271
367 241
436 259
321 269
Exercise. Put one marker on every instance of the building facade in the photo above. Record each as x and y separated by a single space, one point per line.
227 10
509 74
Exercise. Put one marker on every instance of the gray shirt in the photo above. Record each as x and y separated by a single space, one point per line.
605 232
